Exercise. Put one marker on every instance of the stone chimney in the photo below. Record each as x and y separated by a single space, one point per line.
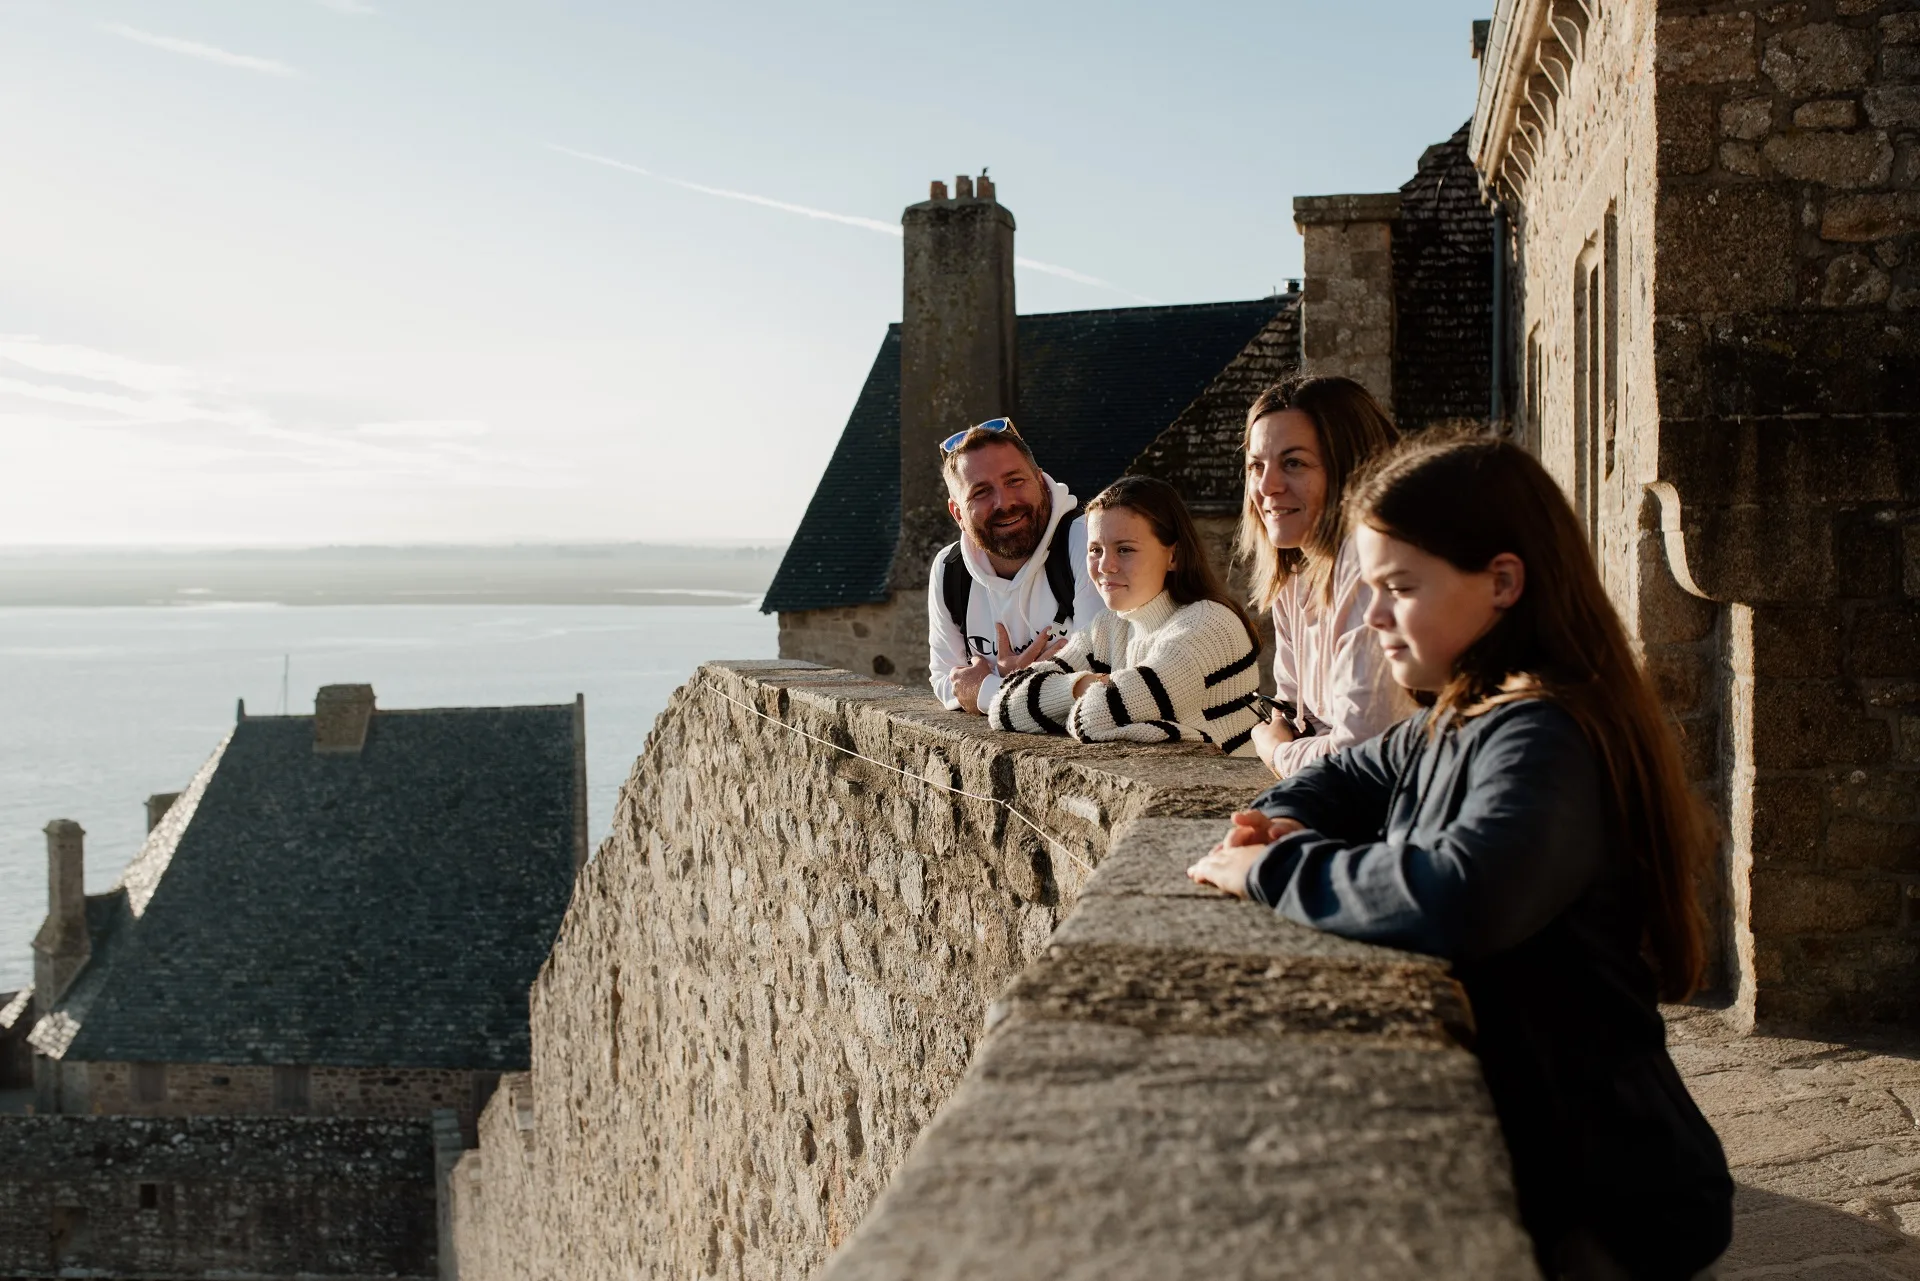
1347 308
157 806
62 946
957 354
341 714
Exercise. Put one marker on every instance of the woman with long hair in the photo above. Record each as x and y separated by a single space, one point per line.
1534 826
1171 657
1304 438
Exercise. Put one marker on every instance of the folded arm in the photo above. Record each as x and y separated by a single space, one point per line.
1037 699
1527 841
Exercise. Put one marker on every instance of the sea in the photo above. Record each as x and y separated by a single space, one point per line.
102 706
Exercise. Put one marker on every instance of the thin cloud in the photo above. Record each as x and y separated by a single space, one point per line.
825 215
1068 273
424 428
54 388
194 49
851 220
67 360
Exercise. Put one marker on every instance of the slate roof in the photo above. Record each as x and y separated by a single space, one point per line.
1199 453
1443 291
1096 387
381 909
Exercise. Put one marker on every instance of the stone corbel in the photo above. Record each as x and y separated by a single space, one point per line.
1568 21
1673 537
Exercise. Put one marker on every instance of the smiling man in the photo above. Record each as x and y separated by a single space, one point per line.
1008 592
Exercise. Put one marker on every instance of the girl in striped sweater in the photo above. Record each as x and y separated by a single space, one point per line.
1171 657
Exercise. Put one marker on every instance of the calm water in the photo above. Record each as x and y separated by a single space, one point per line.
101 707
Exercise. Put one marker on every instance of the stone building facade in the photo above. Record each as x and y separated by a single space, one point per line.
1397 288
1714 209
253 1053
217 1198
337 917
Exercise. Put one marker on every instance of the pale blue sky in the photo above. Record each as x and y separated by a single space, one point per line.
296 271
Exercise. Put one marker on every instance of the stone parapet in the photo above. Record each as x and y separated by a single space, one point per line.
778 967
1187 1086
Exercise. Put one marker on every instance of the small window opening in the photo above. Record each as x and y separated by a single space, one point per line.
149 1083
149 1196
292 1088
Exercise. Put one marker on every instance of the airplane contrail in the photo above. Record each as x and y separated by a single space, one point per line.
826 215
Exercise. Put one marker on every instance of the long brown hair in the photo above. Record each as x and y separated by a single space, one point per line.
1467 499
1352 428
1192 576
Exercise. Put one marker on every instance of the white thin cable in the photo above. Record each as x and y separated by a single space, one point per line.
1044 835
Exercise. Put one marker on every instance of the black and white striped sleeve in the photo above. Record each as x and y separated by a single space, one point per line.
1036 699
1190 685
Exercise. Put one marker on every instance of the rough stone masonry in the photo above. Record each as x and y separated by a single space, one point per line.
778 969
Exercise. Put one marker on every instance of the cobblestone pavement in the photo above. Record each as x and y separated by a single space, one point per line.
1824 1145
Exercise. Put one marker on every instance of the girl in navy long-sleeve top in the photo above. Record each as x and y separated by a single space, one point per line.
1533 825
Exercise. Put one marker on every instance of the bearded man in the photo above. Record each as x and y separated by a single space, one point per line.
1005 595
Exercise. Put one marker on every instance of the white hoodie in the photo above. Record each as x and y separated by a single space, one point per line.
1024 604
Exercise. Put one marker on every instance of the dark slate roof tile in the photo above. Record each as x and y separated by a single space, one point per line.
385 908
1200 452
1443 291
1095 388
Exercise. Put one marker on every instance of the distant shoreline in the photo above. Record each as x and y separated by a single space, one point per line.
521 574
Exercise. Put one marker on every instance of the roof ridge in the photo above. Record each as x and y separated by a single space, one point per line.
1278 300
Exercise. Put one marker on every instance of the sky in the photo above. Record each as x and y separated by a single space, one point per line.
294 272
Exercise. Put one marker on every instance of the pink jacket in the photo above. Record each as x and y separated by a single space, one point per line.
1327 662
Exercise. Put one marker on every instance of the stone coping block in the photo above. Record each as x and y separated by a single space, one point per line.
1325 211
1186 1086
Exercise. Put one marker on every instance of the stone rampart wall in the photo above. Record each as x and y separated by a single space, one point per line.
227 1089
777 968
232 1198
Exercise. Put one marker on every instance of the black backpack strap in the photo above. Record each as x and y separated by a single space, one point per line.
956 587
1060 567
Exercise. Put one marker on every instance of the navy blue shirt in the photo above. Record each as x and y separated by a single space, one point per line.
1491 844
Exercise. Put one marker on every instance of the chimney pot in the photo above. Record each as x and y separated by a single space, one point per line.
157 806
938 191
341 714
958 362
62 946
963 187
984 185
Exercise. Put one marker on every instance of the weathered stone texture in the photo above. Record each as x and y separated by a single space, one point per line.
887 639
230 1198
1787 380
1347 319
227 1089
1744 180
776 971
1185 1086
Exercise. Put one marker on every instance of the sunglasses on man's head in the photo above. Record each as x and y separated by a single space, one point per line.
952 442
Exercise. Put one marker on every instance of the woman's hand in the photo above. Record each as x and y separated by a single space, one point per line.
1270 734
1227 864
1087 680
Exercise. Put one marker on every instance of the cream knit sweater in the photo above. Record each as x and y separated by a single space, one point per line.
1174 672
